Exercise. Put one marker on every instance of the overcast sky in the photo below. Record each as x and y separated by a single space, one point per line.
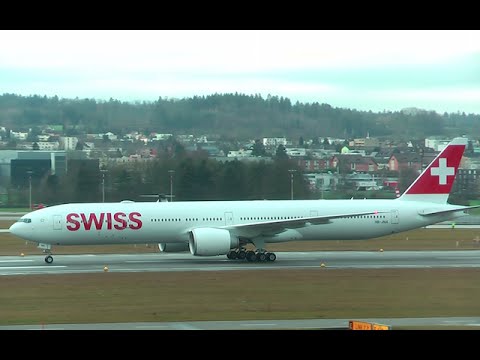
359 69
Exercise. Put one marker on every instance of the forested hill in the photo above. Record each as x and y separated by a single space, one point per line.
233 115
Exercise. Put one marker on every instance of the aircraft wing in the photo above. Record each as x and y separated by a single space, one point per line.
427 212
273 227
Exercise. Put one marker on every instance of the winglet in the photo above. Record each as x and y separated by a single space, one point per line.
435 182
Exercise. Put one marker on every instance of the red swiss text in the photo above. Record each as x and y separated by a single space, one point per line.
109 221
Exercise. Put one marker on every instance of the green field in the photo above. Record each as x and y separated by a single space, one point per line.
239 295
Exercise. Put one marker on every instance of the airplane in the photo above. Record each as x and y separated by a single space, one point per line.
213 228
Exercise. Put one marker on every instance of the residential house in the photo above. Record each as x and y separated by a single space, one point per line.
402 161
312 164
353 162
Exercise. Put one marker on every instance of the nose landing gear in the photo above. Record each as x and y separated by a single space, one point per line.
46 250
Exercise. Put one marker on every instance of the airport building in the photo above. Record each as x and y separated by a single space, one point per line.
19 167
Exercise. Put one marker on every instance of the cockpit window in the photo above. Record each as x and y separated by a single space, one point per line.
25 220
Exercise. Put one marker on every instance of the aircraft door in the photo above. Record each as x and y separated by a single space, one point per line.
228 218
57 222
395 217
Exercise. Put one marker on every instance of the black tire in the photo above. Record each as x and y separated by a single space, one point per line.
232 255
271 257
261 256
251 256
241 255
48 259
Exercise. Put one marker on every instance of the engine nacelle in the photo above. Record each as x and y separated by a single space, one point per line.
210 242
173 247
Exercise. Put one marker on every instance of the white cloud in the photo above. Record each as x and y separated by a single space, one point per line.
240 51
143 65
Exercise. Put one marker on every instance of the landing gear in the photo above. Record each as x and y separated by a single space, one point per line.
47 249
260 256
237 254
271 256
242 254
251 256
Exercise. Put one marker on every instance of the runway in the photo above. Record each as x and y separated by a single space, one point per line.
299 324
158 262
11 215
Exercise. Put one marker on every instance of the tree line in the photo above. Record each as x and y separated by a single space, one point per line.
195 177
235 115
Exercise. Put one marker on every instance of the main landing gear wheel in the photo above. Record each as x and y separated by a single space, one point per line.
236 254
271 256
251 256
49 259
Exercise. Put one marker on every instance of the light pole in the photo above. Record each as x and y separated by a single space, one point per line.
171 172
30 172
291 171
103 171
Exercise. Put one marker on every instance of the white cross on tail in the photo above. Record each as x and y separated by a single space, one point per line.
442 171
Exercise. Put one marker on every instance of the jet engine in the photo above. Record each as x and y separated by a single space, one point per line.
210 242
173 247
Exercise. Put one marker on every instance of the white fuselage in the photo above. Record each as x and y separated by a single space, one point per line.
171 222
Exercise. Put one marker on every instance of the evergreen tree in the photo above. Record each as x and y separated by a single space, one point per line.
258 148
281 153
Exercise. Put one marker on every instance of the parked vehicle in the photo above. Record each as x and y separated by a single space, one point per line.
38 206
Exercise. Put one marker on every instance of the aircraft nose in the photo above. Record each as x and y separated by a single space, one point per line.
21 230
14 229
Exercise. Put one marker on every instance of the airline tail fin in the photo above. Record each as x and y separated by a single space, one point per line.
435 182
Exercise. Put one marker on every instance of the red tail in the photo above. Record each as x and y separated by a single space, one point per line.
436 181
